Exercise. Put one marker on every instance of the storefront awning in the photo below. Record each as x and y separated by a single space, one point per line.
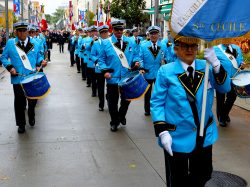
165 9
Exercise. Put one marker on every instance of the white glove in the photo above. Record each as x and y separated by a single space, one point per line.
166 141
210 56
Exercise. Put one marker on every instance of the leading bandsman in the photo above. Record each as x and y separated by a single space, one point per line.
110 64
176 106
21 56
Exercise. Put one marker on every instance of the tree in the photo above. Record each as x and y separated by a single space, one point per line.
48 18
129 10
59 14
89 18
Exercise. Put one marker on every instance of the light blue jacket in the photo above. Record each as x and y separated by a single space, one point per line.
95 53
10 58
169 104
74 41
85 49
135 45
226 62
151 61
109 59
170 55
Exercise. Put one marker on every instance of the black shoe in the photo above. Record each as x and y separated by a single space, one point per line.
113 128
147 113
101 109
88 85
228 119
21 129
93 95
223 123
123 122
32 122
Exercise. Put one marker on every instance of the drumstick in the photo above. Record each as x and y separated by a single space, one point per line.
237 71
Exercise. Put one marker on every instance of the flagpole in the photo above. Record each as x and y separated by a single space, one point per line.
204 100
7 18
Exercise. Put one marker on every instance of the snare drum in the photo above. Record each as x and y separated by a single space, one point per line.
133 86
241 84
36 86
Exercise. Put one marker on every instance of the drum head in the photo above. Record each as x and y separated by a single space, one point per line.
32 77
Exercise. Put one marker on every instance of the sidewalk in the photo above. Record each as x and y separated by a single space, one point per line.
72 146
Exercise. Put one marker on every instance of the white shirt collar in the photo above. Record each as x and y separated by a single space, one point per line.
185 67
25 41
152 44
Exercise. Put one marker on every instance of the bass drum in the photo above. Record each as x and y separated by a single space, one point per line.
241 84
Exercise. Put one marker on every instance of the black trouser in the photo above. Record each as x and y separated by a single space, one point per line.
92 80
72 58
100 88
84 69
224 103
113 98
61 48
20 103
148 96
78 66
89 73
189 169
49 54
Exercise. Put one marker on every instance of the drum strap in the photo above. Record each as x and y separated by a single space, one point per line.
24 58
230 57
120 55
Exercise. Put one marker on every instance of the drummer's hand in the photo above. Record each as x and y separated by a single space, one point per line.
142 71
44 63
243 65
107 75
137 65
13 72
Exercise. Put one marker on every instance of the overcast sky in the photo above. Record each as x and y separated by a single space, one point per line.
52 5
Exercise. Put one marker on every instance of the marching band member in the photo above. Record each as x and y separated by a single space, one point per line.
74 42
83 43
176 106
25 55
95 53
110 61
90 63
136 39
169 48
231 57
152 54
83 65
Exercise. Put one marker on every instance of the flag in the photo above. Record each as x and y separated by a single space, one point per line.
42 9
211 20
16 7
70 10
100 16
43 24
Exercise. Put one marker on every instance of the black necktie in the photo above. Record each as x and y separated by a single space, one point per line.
119 43
22 45
154 48
190 70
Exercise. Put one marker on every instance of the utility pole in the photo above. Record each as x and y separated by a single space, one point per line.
156 15
7 18
22 9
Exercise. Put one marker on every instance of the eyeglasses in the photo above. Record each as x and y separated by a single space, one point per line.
193 47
